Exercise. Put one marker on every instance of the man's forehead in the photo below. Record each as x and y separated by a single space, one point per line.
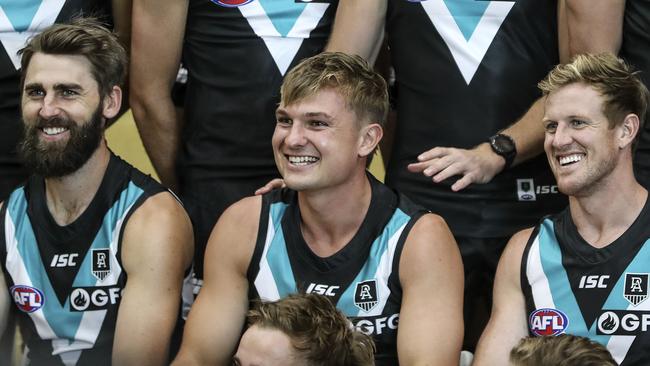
68 68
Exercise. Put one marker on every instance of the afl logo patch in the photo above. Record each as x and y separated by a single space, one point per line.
28 299
548 322
231 3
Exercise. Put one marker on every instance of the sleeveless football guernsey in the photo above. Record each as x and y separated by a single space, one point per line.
572 287
362 279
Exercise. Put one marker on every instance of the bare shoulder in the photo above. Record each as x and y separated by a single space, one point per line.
158 228
432 230
234 236
515 248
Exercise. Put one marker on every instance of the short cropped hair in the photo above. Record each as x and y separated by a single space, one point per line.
82 37
318 331
364 90
609 75
563 350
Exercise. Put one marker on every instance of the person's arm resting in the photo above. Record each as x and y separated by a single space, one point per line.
431 275
217 318
157 249
508 321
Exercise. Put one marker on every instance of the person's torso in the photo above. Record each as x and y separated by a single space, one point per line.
66 281
236 57
464 71
571 287
362 279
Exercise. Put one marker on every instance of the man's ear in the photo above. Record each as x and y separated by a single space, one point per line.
627 130
370 136
112 103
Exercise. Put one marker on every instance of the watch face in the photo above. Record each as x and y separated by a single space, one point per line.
503 144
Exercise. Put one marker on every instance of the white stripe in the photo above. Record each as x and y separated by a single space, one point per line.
283 49
384 270
468 54
264 282
537 278
13 41
18 272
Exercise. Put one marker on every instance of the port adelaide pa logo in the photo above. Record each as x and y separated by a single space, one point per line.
101 265
365 295
636 287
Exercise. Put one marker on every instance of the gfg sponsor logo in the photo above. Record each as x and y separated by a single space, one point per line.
93 298
621 322
545 322
28 299
376 325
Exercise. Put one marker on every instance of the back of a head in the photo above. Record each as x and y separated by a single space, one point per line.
319 332
562 350
364 90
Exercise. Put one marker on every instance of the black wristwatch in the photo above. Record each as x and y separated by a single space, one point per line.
504 145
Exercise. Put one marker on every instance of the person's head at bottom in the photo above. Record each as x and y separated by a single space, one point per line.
302 330
563 350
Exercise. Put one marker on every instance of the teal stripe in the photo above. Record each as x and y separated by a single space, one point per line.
277 256
20 12
369 270
558 280
283 13
467 14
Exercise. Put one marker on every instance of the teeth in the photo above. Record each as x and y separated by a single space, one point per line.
570 159
302 160
54 130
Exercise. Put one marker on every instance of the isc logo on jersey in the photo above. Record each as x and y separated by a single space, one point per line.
545 322
28 299
231 3
93 298
315 288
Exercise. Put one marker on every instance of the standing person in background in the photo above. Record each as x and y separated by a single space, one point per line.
92 251
621 27
465 70
236 53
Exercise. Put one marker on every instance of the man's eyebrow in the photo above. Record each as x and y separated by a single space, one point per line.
67 86
32 86
318 114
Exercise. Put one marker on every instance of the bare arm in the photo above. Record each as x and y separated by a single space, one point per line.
594 26
507 323
157 249
4 300
216 320
122 27
431 275
157 38
358 28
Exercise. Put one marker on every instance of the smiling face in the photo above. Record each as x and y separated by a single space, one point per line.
318 142
62 112
581 148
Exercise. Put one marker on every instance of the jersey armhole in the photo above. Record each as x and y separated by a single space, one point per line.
526 289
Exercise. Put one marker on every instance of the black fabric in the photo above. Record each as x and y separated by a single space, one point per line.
636 50
436 107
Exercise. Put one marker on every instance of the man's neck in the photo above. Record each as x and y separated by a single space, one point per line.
69 196
331 218
605 215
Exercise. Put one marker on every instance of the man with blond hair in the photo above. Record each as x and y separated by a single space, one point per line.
585 270
335 231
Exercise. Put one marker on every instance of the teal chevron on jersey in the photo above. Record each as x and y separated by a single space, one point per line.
468 27
277 256
467 14
20 12
283 14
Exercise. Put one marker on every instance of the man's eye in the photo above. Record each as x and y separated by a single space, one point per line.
577 123
35 93
550 127
317 123
68 93
283 121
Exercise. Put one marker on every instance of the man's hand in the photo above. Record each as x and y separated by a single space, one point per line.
478 165
268 187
